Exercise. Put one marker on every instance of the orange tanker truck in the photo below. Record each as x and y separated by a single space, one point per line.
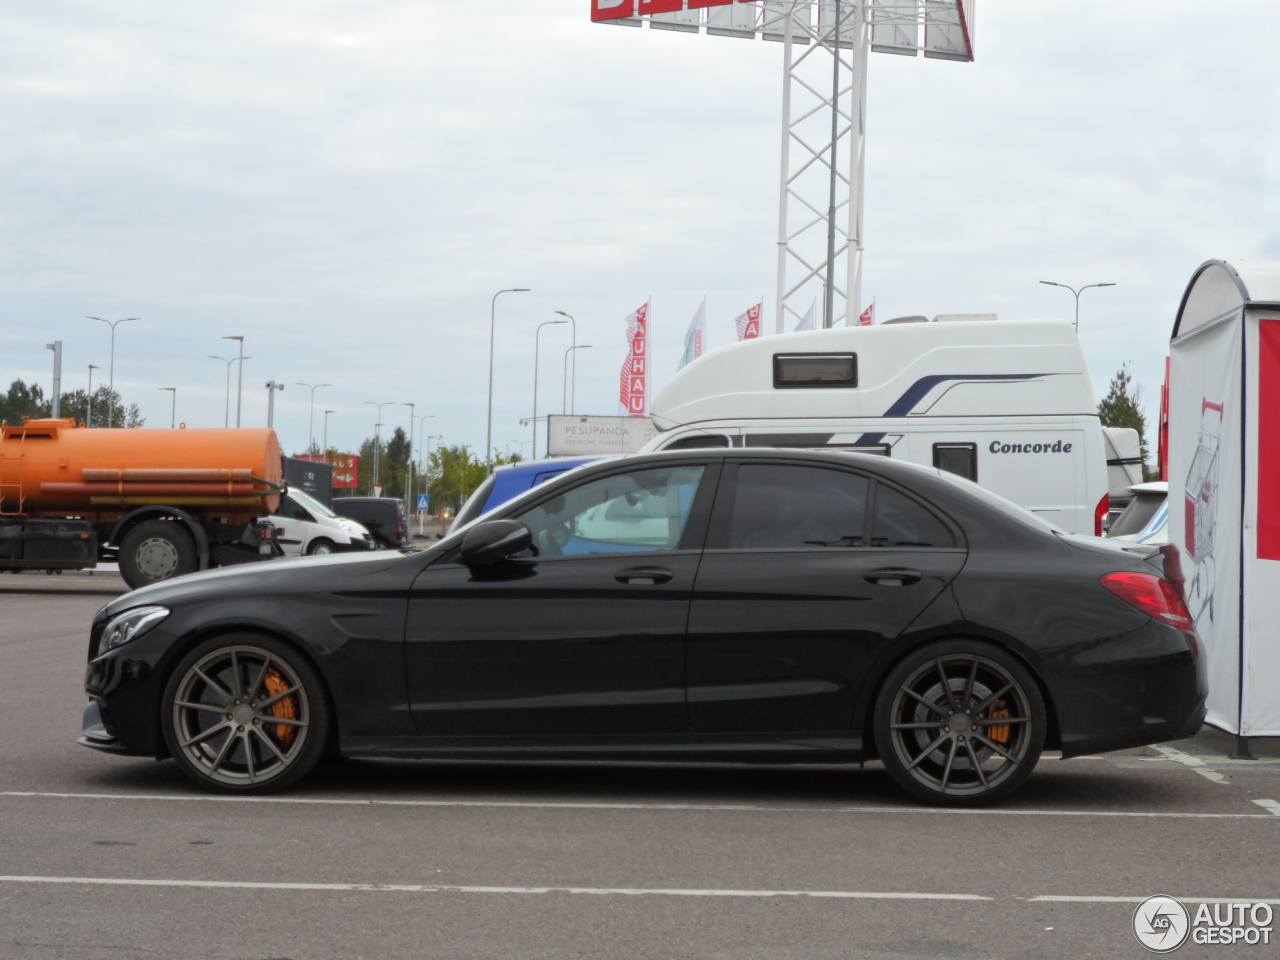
161 503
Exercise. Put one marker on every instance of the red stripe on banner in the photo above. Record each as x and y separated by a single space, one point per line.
1269 439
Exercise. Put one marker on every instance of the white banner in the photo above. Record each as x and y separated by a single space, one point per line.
1205 488
576 436
695 341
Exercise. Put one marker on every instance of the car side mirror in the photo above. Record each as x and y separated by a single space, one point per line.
493 541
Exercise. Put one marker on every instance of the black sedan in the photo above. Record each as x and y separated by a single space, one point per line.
731 605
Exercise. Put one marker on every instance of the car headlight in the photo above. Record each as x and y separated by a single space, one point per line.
129 625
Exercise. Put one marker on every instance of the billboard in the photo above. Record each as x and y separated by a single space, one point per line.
578 436
346 468
308 475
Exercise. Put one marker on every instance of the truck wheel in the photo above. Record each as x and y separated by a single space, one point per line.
156 550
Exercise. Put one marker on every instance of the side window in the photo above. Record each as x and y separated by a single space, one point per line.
958 458
901 522
634 512
289 510
777 506
699 442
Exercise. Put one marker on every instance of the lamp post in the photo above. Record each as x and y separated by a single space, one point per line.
56 406
376 435
173 409
226 407
564 377
1077 293
488 434
111 387
272 387
239 376
325 452
536 334
422 419
573 392
311 419
88 417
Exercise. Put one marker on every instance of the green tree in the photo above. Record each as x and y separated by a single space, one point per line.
23 401
76 404
366 465
1123 407
454 473
395 464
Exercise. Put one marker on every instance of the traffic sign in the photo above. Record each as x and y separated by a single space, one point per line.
423 503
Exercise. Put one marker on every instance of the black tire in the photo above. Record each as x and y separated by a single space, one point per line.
320 546
231 737
946 745
154 551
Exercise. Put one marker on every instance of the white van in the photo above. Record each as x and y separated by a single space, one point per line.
307 527
1006 404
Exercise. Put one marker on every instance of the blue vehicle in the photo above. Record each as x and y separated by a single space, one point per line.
508 482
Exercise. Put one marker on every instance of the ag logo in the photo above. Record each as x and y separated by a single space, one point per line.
1161 924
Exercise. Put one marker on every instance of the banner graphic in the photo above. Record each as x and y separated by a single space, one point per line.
809 320
748 323
1269 439
633 395
696 339
868 316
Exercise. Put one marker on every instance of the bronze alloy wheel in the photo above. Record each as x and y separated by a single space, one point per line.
961 726
242 717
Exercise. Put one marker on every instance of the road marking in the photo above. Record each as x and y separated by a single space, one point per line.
449 888
1270 806
569 805
1052 899
1193 762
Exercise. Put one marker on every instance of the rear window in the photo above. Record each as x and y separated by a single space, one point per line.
1135 517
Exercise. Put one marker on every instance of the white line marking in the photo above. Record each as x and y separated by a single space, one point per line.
561 805
1270 806
1193 762
445 888
1050 899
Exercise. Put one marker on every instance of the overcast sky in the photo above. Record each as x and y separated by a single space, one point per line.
347 183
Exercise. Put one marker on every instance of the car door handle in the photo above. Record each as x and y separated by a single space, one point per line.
893 577
643 576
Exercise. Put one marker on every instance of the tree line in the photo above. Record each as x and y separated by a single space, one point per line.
29 400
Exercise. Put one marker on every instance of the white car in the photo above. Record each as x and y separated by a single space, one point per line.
307 527
1146 518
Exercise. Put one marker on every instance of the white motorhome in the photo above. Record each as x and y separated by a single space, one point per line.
1008 404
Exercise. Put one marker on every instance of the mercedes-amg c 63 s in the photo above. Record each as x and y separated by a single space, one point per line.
708 605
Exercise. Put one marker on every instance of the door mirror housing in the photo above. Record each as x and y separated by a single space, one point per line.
493 541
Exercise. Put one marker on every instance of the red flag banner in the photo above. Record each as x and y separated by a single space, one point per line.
868 316
748 323
612 9
633 383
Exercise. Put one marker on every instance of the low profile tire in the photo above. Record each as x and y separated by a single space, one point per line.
245 713
960 723
320 548
156 550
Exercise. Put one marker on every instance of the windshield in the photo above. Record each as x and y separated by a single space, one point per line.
475 503
311 504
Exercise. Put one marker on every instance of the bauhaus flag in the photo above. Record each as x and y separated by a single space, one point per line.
748 323
695 341
633 394
868 316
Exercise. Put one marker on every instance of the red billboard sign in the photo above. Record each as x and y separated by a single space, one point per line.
346 468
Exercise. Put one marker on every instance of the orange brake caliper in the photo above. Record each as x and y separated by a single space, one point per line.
287 708
999 711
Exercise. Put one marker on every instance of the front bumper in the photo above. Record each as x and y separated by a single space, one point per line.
96 734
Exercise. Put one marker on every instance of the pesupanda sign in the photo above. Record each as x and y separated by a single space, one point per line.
576 436
1058 446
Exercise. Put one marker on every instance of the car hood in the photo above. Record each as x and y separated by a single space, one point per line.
259 577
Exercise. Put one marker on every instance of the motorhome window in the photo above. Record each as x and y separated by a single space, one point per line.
958 458
778 507
699 443
815 370
901 522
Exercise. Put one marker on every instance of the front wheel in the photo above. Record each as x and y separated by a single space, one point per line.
245 713
320 548
960 723
156 550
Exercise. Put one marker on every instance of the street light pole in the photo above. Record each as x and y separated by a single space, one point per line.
325 452
239 377
1077 293
88 417
376 437
173 410
111 388
311 420
488 434
226 407
564 377
421 425
272 387
536 334
573 391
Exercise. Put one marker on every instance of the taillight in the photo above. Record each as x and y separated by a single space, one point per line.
1155 597
1100 513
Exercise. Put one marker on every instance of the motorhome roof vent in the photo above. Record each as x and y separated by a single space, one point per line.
914 319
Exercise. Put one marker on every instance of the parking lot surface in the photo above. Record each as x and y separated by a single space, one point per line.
102 856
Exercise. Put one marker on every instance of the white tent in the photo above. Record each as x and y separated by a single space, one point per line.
1224 484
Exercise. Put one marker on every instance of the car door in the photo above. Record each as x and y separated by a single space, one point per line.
583 635
809 572
295 526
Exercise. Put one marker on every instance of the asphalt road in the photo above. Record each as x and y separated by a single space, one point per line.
108 857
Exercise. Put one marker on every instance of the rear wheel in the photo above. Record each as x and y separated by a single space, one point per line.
245 713
960 723
156 550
